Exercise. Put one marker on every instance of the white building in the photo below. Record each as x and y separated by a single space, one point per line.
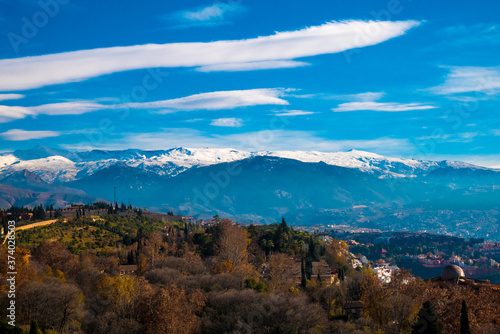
385 272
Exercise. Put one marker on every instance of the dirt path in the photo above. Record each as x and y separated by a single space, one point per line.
26 227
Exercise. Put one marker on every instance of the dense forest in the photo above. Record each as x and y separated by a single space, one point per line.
135 274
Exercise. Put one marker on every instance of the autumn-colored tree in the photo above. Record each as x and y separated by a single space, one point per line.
482 306
375 298
337 254
247 311
57 256
231 245
53 304
115 304
24 271
171 310
280 272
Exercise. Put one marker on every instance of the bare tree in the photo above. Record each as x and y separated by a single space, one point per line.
280 271
231 244
53 304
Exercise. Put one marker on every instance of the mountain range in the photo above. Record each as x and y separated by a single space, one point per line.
249 186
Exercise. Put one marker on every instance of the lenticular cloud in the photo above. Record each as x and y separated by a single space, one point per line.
333 37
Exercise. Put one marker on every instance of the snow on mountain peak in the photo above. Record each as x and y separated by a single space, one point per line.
50 169
68 166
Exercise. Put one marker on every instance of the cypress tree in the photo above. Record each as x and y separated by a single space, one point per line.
341 273
284 226
35 213
464 319
130 257
303 273
41 211
308 268
34 329
427 320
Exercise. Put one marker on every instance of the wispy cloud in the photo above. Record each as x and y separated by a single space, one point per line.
227 122
38 71
462 35
464 137
9 113
69 108
381 106
256 141
367 101
4 97
469 79
216 100
19 135
205 101
293 113
213 15
360 97
252 66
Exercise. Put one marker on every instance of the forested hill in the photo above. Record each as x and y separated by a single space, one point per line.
130 273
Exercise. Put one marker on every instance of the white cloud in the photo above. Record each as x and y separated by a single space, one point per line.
205 14
333 37
496 132
464 137
255 141
293 113
205 101
381 106
470 79
212 15
360 97
307 141
366 101
68 108
216 100
252 66
9 113
227 122
209 13
4 97
18 134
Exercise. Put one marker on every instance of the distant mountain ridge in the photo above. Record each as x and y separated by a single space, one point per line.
59 166
257 186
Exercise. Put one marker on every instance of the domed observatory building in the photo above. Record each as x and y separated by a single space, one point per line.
453 274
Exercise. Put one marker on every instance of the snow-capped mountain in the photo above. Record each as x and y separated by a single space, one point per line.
59 166
305 187
370 162
68 166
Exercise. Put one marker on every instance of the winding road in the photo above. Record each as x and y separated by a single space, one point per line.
26 227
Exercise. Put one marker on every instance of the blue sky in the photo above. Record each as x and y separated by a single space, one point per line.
399 78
